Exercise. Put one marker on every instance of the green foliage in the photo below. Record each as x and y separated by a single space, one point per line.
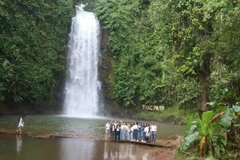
226 88
209 131
32 45
154 116
117 16
161 115
173 52
183 53
189 139
137 68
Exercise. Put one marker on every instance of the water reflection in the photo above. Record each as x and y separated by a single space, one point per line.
127 151
18 143
77 149
21 147
92 150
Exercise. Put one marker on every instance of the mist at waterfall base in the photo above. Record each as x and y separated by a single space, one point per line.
82 85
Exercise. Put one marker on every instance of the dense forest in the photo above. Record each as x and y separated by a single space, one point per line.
173 52
32 47
181 53
162 52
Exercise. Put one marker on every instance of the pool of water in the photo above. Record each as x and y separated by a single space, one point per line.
76 126
26 148
56 125
22 147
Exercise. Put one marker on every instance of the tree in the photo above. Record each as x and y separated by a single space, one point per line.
33 39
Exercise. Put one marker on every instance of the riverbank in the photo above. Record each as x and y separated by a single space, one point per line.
166 148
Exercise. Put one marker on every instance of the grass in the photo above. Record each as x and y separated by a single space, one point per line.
158 116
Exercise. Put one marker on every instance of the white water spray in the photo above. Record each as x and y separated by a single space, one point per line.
82 85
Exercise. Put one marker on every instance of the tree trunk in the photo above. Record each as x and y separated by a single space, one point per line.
203 81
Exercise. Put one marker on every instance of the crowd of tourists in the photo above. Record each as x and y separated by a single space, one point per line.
130 131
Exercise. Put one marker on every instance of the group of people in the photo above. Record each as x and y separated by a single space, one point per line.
130 131
120 131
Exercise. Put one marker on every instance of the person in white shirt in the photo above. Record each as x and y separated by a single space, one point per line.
153 132
134 129
20 125
107 131
147 133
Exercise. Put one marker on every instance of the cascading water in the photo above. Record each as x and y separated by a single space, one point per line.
82 85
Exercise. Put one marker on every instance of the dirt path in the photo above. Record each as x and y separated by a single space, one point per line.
169 153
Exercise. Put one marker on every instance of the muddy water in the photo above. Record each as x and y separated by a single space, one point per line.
22 147
27 148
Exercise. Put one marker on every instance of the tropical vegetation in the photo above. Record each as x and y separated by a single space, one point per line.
181 53
214 134
32 46
168 52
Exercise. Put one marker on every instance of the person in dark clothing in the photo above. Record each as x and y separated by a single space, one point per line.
117 132
112 131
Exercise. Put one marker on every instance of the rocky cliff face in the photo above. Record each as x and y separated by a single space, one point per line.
105 68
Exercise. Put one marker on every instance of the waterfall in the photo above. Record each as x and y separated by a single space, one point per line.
82 85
